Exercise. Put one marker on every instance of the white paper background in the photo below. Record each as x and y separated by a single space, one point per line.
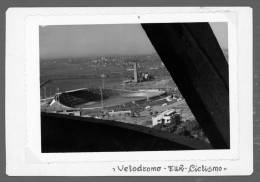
24 156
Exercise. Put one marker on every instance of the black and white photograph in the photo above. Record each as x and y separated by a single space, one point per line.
134 87
129 91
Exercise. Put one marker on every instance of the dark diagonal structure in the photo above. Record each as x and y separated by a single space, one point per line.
197 65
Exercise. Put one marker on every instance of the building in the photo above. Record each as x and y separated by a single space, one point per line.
166 117
134 68
116 113
69 112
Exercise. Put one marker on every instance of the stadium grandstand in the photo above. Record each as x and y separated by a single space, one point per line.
81 96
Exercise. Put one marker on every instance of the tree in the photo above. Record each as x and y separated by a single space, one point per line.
186 133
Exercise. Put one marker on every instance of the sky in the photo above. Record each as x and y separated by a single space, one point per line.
72 41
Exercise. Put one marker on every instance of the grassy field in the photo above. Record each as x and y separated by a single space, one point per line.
118 100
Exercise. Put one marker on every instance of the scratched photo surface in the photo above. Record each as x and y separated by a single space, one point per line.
134 87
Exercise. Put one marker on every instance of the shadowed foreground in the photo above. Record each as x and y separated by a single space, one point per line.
62 133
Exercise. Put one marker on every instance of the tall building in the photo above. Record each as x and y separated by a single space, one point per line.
135 70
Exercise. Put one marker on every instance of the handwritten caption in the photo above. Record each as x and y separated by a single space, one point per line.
170 168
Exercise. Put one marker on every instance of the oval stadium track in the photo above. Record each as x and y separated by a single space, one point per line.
75 98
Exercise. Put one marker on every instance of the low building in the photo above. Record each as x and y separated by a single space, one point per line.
69 112
113 113
165 117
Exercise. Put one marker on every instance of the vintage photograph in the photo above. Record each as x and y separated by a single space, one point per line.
144 91
134 87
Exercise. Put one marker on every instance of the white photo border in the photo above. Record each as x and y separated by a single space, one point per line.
36 17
